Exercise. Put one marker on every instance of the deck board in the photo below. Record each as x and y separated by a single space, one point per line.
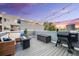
39 48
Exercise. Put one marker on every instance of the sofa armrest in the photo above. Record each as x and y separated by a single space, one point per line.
7 48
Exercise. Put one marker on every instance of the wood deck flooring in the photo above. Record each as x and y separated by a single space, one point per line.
38 48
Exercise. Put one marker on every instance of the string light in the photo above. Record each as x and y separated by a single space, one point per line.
56 12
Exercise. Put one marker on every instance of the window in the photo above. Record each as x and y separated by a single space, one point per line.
0 19
5 19
19 21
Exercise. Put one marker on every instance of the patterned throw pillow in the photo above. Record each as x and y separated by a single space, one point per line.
6 39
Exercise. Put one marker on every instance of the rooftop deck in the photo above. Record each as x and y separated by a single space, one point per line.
38 48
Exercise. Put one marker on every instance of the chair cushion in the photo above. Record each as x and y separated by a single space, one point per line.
6 39
22 34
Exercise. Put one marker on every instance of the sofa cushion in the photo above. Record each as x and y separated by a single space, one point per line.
13 36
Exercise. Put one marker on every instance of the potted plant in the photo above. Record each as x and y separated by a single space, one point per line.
25 32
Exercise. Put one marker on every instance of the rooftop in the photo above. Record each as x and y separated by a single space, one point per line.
38 48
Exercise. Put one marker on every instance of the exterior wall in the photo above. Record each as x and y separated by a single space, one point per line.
23 25
30 26
10 20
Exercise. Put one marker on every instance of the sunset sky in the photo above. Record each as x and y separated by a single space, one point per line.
54 12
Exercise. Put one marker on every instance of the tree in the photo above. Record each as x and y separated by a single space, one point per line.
49 26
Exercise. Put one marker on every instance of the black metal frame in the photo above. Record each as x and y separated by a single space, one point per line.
25 43
71 37
44 38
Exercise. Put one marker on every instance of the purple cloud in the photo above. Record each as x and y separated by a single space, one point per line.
19 6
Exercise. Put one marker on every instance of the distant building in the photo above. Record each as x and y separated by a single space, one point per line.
63 24
9 23
70 27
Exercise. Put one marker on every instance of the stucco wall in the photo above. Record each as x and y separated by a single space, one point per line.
10 20
30 26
